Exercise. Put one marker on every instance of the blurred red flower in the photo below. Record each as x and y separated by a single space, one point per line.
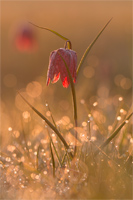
57 68
25 39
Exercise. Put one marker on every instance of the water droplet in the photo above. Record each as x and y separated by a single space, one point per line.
16 134
82 101
84 123
119 118
121 110
120 98
29 143
9 128
95 104
8 159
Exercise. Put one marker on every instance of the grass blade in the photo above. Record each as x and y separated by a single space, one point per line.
37 157
90 46
54 148
113 134
53 161
48 122
59 35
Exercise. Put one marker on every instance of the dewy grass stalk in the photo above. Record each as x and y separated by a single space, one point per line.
113 134
50 125
90 46
74 99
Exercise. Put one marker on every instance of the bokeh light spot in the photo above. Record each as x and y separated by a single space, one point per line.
103 92
126 83
118 79
65 120
88 72
34 89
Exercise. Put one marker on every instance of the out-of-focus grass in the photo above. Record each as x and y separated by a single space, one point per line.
30 167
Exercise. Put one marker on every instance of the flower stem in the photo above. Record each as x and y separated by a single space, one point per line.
68 44
74 99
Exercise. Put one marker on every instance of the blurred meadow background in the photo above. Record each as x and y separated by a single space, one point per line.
103 87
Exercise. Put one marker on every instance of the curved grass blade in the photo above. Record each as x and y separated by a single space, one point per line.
54 148
53 161
37 157
59 35
90 46
113 134
49 124
51 138
52 116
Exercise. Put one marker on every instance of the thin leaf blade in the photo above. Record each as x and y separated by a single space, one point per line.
106 142
48 122
90 46
52 31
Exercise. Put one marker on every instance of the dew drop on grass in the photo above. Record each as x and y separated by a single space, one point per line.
1 165
110 128
119 118
93 138
14 155
8 159
16 134
45 172
37 177
126 121
84 123
26 115
33 175
120 99
82 101
35 153
53 135
30 150
28 143
121 110
95 104
131 140
11 148
10 129
48 113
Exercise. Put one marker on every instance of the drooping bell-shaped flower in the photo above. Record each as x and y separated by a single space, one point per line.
57 68
25 39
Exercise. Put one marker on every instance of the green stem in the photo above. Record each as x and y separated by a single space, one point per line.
72 89
74 98
68 44
53 161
